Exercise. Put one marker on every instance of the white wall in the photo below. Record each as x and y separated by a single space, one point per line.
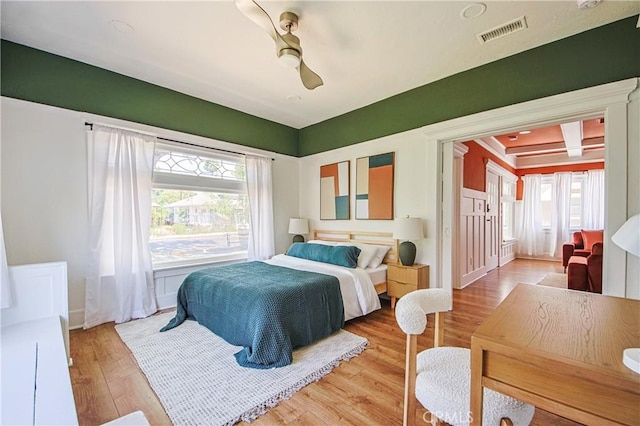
633 189
44 188
415 165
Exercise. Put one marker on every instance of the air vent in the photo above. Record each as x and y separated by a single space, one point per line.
503 30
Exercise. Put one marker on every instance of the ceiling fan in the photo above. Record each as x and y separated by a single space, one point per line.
287 45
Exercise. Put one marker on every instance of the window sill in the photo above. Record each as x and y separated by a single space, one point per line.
170 268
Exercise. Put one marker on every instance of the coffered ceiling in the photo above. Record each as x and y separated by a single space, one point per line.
566 143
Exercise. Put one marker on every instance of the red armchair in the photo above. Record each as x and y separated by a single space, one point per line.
581 245
585 273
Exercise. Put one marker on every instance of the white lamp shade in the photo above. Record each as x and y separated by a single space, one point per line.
628 236
298 226
408 228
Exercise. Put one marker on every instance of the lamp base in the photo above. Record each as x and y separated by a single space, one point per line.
407 253
298 239
631 358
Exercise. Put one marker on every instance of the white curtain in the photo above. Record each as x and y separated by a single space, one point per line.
5 286
259 189
119 282
560 213
593 200
530 234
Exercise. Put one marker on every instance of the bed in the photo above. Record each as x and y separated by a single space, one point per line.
272 307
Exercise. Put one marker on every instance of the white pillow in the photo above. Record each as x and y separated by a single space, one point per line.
367 253
381 252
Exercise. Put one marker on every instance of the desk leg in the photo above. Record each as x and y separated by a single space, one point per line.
475 410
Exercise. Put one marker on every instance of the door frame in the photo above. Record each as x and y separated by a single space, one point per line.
609 100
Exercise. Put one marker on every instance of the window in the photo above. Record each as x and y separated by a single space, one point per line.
508 199
546 200
546 193
200 209
577 187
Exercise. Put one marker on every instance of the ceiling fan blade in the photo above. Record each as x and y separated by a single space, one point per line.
260 17
310 79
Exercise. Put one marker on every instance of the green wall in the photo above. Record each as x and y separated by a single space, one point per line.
49 79
602 55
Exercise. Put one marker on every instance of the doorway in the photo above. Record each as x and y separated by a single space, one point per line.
609 100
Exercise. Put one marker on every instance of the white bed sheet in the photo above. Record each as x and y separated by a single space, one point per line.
378 274
358 293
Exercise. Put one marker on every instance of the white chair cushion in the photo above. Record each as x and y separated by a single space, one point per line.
443 387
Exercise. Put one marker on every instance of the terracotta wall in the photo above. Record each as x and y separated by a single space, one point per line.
474 166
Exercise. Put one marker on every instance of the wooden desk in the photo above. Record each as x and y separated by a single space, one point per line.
560 350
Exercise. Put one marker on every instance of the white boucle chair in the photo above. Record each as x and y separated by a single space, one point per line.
440 377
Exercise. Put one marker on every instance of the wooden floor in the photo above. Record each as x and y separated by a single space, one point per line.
367 390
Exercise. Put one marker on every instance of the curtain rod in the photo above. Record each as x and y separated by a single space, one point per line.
188 143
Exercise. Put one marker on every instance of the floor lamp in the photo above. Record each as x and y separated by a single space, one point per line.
628 239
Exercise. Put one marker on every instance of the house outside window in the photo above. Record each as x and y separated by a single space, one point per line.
200 209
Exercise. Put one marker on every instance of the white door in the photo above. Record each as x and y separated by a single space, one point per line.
492 223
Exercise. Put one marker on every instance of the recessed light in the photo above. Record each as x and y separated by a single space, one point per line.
587 4
293 98
473 10
524 132
513 137
121 26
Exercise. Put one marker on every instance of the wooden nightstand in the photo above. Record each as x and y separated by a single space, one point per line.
403 279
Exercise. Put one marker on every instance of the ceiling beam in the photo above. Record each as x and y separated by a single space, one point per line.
572 134
552 147
560 158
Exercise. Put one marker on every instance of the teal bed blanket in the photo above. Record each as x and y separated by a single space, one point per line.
269 310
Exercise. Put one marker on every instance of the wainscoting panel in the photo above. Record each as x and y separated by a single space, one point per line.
508 251
472 236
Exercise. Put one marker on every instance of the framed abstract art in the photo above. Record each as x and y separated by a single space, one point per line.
374 186
334 191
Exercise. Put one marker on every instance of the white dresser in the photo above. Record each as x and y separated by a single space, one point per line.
36 388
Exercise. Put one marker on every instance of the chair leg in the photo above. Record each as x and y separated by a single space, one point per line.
506 422
409 406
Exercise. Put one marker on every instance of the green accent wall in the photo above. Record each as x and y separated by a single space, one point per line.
602 55
38 76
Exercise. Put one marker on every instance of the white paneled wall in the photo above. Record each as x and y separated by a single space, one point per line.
472 236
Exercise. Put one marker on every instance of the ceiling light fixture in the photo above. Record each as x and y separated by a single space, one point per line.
524 132
473 10
513 138
121 26
587 4
289 58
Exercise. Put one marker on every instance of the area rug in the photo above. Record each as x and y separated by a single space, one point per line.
554 279
198 381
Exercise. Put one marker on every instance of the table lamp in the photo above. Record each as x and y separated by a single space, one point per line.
298 227
628 239
407 228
